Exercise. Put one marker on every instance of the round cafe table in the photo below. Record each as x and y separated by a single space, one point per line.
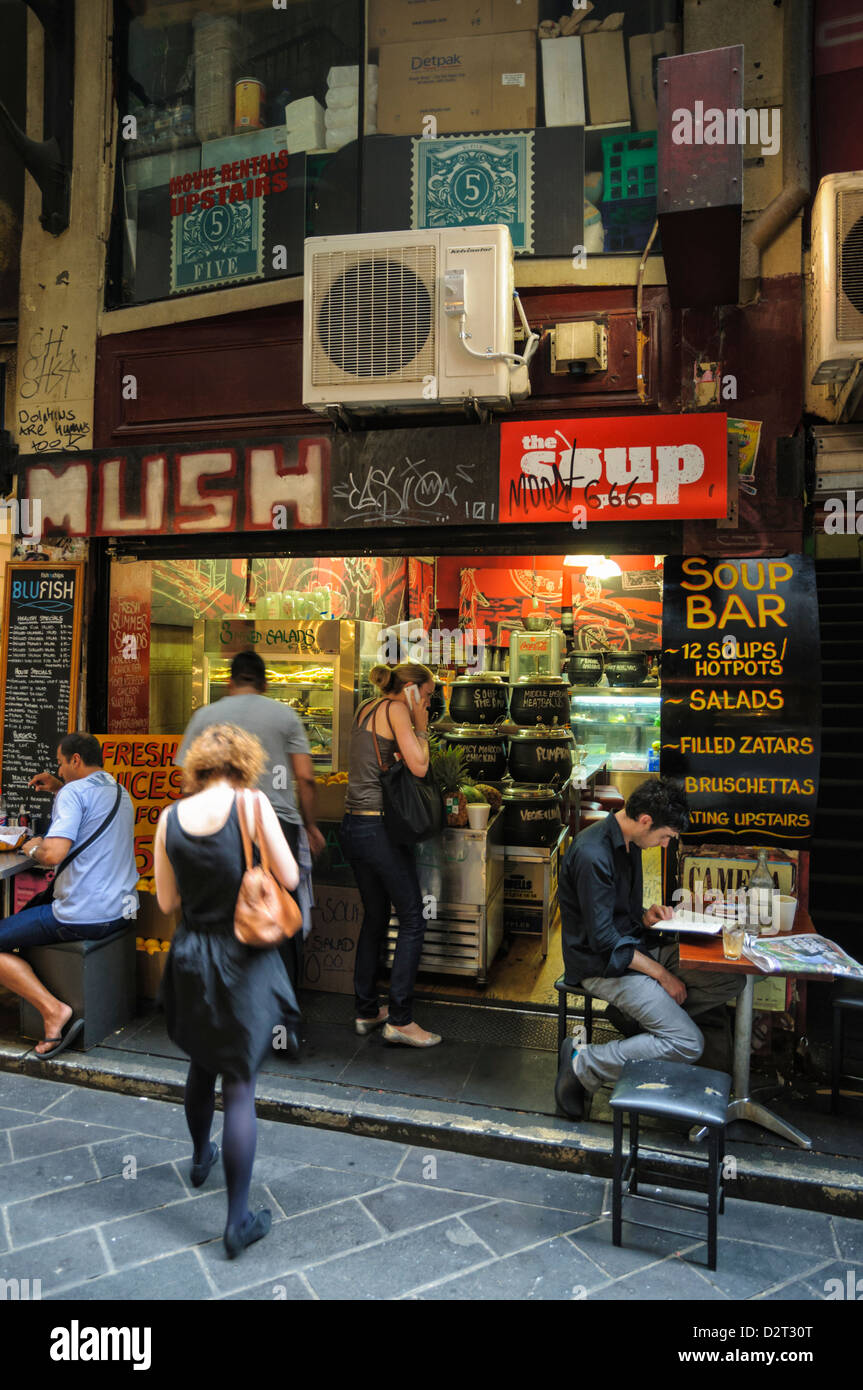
708 956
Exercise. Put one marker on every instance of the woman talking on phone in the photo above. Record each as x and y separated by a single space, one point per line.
386 872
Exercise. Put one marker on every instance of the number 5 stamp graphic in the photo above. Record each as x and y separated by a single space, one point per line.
464 182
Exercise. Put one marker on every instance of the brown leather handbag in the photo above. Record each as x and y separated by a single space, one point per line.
265 912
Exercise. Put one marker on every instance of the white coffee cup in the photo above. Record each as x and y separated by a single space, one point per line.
477 815
787 912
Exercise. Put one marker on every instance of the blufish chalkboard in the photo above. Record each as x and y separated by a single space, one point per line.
741 714
41 655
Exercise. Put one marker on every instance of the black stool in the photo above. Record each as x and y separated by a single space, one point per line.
849 1000
96 978
563 992
674 1091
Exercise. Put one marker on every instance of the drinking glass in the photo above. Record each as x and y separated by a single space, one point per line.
732 939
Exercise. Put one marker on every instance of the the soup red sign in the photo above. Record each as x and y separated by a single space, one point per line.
637 468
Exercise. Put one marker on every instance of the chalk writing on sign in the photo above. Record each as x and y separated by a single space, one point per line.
51 428
405 493
50 364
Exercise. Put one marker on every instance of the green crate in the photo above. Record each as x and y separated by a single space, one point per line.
629 166
627 224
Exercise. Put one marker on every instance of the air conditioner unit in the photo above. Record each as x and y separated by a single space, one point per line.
411 321
834 311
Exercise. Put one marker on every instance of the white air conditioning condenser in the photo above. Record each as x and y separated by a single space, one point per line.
412 321
834 302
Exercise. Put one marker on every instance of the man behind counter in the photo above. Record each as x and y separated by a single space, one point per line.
607 948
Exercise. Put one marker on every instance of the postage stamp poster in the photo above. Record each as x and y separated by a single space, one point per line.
460 181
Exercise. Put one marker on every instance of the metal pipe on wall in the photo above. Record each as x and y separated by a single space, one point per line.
796 156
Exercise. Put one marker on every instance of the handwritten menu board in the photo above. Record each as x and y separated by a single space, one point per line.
741 696
144 765
41 653
129 649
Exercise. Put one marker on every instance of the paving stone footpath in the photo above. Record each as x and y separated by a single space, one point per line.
96 1204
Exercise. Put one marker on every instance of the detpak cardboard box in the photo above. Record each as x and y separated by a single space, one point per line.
466 84
399 21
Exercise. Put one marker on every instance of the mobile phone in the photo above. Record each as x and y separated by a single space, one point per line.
411 693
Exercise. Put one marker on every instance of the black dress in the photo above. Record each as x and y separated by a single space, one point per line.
222 999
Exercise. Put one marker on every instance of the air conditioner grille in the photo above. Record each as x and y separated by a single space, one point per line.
849 262
373 315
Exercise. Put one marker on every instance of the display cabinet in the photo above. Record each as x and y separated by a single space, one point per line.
320 669
623 720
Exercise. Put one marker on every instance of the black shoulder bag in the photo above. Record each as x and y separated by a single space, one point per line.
413 809
47 895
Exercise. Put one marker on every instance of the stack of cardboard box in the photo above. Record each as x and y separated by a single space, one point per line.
471 66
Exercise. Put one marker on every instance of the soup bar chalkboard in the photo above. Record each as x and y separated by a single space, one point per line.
41 653
741 713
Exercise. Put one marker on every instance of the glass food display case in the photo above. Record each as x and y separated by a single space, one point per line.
624 720
319 668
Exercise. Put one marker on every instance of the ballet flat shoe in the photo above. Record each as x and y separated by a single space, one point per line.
364 1026
392 1035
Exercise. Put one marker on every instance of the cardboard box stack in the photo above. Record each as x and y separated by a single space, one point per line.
472 66
343 103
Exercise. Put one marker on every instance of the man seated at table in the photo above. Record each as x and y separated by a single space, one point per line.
94 895
608 949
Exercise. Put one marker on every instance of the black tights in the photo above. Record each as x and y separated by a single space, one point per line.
239 1134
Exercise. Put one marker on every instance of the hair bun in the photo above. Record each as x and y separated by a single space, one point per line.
382 676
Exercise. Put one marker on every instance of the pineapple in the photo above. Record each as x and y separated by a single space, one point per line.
448 770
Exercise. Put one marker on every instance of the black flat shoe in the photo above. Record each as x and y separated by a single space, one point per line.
293 1047
568 1091
201 1171
255 1228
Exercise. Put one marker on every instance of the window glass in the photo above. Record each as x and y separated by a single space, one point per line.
240 130
224 140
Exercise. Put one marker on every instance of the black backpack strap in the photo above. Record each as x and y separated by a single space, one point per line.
79 849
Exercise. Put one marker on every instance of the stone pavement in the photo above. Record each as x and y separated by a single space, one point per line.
96 1204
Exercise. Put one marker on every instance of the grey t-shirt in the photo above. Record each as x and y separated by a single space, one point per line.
279 729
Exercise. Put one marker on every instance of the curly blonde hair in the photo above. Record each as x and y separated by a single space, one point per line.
223 750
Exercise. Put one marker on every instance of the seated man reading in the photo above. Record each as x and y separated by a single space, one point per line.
94 890
608 948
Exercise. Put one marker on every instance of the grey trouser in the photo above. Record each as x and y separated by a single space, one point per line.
670 1033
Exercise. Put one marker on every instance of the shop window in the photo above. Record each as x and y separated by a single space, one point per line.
224 137
515 113
243 130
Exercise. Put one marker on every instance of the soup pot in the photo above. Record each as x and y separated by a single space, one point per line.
531 817
540 700
536 755
585 668
626 668
478 699
483 750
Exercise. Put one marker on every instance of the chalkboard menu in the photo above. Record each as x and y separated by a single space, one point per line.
41 653
741 704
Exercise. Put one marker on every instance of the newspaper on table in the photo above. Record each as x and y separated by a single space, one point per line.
12 836
806 954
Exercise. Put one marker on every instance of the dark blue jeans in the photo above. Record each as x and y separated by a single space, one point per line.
385 873
37 926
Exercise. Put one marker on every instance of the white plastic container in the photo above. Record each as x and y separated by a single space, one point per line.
477 815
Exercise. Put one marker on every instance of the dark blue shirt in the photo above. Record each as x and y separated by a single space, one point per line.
600 892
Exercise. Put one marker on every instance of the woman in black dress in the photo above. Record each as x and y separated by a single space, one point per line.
223 1000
